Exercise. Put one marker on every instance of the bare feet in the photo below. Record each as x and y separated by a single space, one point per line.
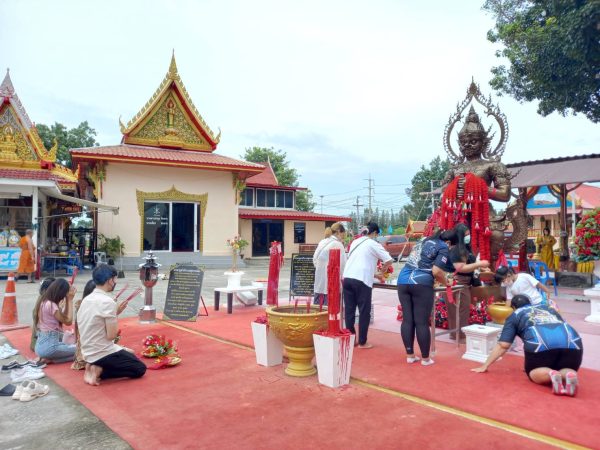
365 345
92 374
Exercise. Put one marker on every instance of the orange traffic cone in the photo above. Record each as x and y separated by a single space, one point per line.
9 320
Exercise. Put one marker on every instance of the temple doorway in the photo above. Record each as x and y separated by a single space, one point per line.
264 232
171 226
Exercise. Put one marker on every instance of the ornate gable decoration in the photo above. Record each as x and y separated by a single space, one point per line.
170 119
20 143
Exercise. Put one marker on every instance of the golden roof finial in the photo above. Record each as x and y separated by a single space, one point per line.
173 67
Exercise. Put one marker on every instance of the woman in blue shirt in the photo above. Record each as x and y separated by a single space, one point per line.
553 349
428 262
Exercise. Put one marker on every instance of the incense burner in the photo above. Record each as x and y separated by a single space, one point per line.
295 330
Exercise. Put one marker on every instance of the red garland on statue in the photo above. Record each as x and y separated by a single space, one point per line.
465 200
275 264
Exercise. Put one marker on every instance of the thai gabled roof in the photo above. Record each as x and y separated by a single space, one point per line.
266 178
8 96
191 132
289 214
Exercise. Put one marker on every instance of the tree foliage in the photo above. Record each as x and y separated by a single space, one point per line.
553 51
81 136
419 208
286 175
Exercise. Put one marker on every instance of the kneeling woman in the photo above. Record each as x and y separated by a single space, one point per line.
553 349
49 319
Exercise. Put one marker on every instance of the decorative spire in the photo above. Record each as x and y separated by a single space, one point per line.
6 88
173 74
472 124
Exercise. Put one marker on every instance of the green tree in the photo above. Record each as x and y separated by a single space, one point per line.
552 47
419 208
81 136
286 175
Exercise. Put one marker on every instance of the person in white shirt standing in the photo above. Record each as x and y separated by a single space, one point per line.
334 238
98 327
359 273
521 284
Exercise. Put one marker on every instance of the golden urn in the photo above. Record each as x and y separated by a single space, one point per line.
499 312
295 330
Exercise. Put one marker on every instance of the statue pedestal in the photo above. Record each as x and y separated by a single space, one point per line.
594 295
480 342
233 279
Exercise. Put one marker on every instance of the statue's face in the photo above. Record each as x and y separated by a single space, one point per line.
471 144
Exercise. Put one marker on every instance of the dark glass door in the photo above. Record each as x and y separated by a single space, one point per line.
263 233
182 231
156 226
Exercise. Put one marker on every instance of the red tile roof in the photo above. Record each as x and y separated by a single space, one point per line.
24 174
288 214
266 178
589 196
153 155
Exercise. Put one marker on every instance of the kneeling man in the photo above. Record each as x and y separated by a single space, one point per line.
97 323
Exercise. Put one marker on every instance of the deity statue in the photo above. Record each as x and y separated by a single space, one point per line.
170 114
476 177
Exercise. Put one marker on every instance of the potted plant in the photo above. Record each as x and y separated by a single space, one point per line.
113 247
237 244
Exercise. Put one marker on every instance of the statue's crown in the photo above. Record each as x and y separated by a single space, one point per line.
472 124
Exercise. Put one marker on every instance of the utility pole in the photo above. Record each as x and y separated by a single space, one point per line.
321 203
370 180
432 197
358 205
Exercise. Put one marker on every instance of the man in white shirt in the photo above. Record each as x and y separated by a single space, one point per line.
359 273
334 240
98 327
521 283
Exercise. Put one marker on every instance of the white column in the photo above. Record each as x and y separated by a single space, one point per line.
34 215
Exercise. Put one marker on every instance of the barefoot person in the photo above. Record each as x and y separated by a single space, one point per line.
98 327
27 258
553 349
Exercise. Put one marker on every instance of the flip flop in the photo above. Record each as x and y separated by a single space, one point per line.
8 390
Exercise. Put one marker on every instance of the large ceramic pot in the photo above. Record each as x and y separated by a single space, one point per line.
295 330
499 312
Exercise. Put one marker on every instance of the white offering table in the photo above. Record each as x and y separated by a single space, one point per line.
594 295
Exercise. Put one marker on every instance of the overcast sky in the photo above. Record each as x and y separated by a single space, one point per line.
346 88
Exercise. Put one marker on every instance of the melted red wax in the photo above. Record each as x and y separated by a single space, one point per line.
275 263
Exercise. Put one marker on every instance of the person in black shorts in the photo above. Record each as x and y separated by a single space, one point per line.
553 349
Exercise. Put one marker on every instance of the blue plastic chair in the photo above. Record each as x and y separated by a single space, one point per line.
541 272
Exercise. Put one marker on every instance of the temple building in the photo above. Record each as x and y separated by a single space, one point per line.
268 213
177 197
35 190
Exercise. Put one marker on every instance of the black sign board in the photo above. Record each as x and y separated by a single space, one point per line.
183 293
302 277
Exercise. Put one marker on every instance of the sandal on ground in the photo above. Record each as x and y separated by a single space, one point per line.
571 384
33 391
8 390
557 383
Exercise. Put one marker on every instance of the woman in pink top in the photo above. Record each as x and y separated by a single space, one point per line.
49 321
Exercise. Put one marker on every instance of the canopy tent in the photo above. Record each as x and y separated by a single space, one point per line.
555 171
99 206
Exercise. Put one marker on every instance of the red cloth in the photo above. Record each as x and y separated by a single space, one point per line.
275 264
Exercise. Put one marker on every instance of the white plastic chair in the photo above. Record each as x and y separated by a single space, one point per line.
99 258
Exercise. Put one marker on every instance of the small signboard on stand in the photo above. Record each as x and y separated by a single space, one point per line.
184 293
302 277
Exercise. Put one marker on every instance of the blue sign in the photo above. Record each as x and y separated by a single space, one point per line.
544 199
9 259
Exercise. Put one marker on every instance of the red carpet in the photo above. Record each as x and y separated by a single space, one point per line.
219 398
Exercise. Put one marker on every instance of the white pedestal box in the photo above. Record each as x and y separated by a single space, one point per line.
334 359
594 295
480 342
268 349
233 279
